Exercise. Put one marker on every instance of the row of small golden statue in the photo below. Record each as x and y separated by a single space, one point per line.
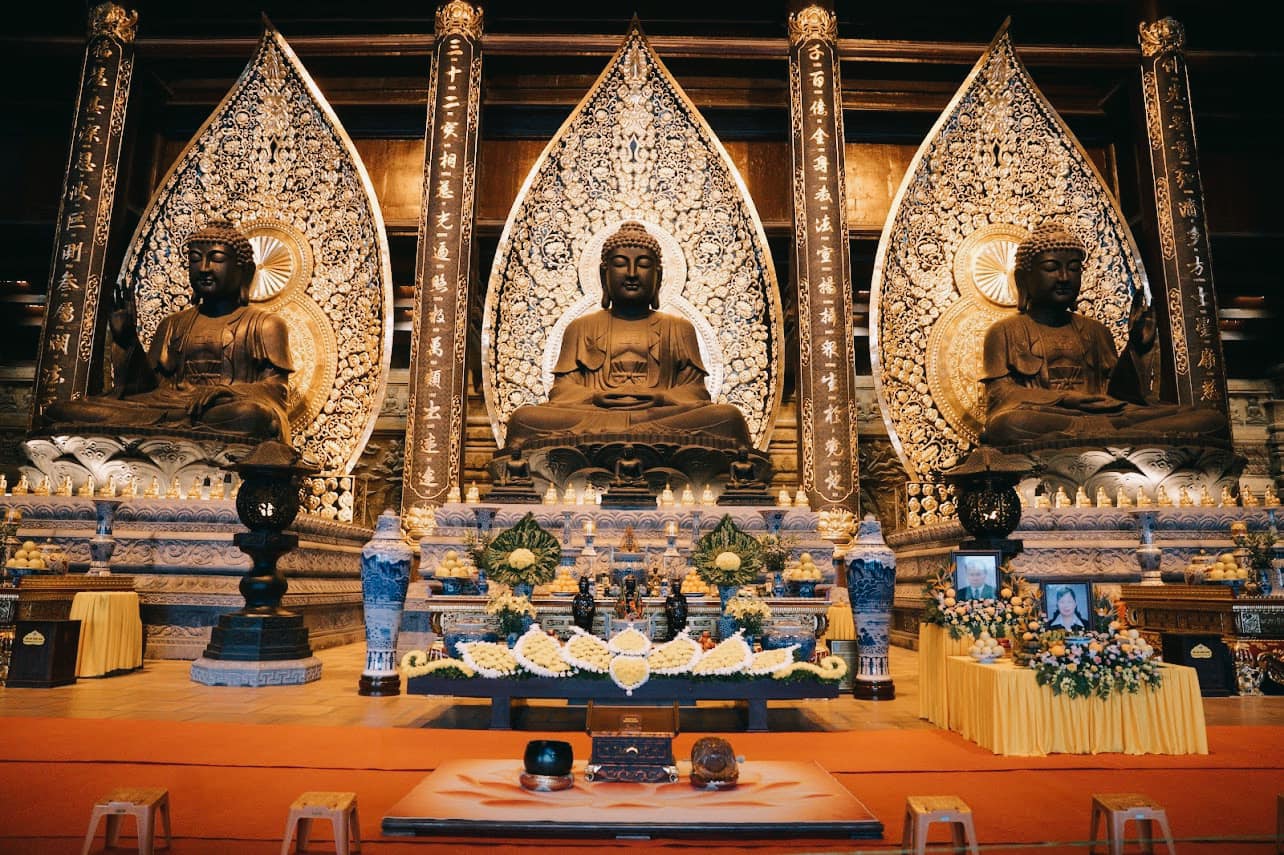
591 495
198 488
1162 499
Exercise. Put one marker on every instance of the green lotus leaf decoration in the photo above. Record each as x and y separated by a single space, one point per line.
523 554
713 553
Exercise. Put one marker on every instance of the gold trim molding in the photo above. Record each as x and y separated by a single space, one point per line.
1166 35
813 22
108 19
459 18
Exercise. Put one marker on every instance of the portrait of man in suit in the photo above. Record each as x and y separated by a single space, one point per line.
976 577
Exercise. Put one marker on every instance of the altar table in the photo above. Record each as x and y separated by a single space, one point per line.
111 632
935 646
1001 707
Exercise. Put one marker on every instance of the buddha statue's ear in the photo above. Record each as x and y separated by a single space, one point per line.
247 279
1023 294
606 292
659 280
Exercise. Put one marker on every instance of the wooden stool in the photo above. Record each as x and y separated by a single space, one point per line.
922 811
142 803
339 808
1121 807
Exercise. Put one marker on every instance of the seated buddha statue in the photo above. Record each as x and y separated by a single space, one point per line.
219 365
1053 374
629 370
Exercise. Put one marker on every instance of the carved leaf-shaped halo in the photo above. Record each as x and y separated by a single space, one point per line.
274 160
998 162
635 148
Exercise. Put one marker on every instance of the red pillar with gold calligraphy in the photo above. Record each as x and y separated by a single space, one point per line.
826 368
435 423
1188 304
64 362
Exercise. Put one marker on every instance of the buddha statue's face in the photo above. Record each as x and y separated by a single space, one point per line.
631 277
214 272
1053 279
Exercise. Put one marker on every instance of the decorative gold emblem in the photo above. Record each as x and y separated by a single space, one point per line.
1159 37
998 162
813 22
459 18
33 639
108 19
273 159
635 148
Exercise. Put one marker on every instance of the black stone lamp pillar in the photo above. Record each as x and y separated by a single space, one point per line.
267 502
989 508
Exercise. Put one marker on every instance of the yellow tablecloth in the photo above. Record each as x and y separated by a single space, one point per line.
839 625
1002 708
111 632
934 647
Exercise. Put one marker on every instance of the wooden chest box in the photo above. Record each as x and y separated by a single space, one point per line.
632 744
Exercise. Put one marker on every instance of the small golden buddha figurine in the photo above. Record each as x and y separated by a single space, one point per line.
1246 496
473 496
569 498
783 500
1183 498
452 495
23 486
87 488
1226 500
4 485
666 496
218 488
175 490
688 497
706 495
1270 500
1081 499
1121 498
1103 501
153 490
1205 498
550 495
1061 500
194 489
1162 498
44 488
108 490
800 499
1042 500
1143 498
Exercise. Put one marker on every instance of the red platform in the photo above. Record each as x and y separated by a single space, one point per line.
774 799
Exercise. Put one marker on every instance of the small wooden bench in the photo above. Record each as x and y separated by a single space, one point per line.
339 808
922 811
1118 809
142 803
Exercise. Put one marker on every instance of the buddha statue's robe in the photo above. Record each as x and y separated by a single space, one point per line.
1032 369
245 354
625 378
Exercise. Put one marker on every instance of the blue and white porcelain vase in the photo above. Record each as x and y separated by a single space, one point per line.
871 582
385 575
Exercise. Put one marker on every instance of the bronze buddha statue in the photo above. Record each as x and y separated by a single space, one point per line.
220 365
628 370
1051 374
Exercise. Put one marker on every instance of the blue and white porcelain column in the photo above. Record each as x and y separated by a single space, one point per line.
871 582
385 575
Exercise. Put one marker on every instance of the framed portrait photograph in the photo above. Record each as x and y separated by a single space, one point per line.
1067 606
976 574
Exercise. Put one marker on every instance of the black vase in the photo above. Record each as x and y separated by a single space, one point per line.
583 607
675 612
548 757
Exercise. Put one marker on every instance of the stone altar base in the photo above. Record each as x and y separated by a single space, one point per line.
187 570
283 672
1095 545
774 799
1130 467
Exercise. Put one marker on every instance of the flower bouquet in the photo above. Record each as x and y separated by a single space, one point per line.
525 554
750 613
727 556
1115 661
512 611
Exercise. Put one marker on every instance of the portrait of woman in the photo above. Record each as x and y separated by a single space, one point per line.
1067 606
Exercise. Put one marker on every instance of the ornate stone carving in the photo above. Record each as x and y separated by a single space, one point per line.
998 162
1159 37
459 18
635 148
813 22
274 160
108 19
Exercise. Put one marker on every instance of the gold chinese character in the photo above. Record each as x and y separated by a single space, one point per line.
819 136
817 107
1208 390
822 195
72 251
1207 358
821 164
823 225
444 190
439 282
447 160
830 381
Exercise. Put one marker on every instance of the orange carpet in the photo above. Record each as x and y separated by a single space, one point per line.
231 784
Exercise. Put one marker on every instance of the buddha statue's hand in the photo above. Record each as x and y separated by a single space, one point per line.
1142 330
123 324
627 400
209 397
1091 403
